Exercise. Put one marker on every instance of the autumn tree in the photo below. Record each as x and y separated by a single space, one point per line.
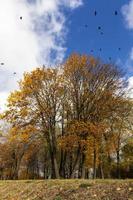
38 103
93 89
77 114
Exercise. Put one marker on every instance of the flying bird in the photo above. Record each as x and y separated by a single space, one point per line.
100 49
95 13
2 63
119 48
86 26
14 73
21 18
109 58
116 13
99 27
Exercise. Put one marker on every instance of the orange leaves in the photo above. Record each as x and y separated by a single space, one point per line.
78 128
32 81
15 98
82 134
97 129
92 61
76 67
84 129
69 142
21 134
77 60
92 144
24 112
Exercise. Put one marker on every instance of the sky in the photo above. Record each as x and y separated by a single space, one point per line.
37 32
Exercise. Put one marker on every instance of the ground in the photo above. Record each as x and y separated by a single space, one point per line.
67 190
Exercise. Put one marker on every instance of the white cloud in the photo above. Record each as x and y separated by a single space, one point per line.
127 11
30 42
73 4
129 67
130 87
131 54
129 62
3 98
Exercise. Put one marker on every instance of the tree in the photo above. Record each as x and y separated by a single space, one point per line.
79 111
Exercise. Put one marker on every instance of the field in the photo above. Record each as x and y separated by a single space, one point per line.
67 190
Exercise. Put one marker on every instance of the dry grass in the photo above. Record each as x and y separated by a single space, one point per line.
67 190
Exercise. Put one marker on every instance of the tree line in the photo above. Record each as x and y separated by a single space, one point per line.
70 121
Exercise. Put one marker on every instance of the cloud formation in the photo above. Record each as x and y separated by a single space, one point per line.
38 38
127 11
131 54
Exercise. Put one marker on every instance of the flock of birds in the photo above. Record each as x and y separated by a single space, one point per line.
86 26
101 31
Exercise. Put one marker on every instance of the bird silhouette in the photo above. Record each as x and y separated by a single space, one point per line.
2 63
99 27
21 18
95 12
116 13
14 73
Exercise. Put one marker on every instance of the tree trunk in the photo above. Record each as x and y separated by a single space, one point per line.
62 154
70 164
118 164
62 163
54 166
76 164
101 171
94 160
51 140
83 166
109 166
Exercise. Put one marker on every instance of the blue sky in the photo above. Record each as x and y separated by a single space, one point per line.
83 40
50 30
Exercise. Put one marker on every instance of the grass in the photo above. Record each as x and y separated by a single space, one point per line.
66 190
